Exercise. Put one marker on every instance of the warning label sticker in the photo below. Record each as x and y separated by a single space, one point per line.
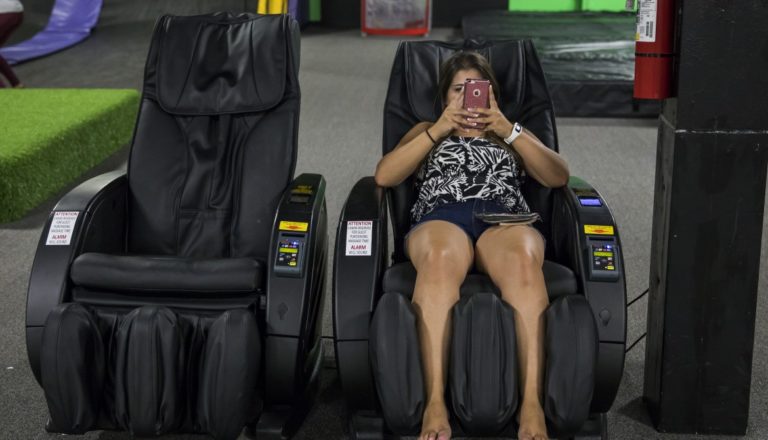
598 229
293 226
62 225
359 237
646 21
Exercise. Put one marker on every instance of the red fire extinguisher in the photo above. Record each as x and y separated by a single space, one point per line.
654 49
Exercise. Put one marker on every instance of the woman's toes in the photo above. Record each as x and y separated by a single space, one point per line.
435 425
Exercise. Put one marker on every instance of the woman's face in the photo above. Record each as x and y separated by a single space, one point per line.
457 84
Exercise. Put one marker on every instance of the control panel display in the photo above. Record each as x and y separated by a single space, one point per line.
289 255
603 260
602 257
590 201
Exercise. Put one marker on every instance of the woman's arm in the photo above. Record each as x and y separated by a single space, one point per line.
546 166
401 162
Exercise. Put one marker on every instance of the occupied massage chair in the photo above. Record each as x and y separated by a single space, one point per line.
376 340
184 296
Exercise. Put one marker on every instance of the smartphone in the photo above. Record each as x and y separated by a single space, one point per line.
476 93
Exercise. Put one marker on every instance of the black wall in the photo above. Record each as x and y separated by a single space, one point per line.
446 13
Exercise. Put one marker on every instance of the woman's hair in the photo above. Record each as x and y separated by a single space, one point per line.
464 60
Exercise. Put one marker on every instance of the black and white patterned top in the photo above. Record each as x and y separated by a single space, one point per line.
465 168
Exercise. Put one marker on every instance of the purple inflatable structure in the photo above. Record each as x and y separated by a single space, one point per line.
70 23
299 10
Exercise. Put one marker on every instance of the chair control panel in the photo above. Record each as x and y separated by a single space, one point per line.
603 261
290 254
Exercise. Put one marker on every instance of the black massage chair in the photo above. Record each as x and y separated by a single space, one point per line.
376 341
184 296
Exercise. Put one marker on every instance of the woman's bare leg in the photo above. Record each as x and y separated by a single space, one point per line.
513 256
442 254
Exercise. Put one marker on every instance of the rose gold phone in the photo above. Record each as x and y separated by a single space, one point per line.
476 93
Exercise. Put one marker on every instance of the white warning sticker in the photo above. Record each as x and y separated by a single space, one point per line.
646 21
62 225
359 237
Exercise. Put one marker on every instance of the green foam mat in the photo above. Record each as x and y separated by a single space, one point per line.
49 137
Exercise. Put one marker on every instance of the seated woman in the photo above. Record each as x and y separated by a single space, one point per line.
473 161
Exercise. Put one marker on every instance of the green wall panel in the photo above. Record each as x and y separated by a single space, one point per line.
314 10
603 5
567 5
544 5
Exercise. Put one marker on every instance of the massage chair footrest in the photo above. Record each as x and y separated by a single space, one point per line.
482 358
571 356
150 371
483 367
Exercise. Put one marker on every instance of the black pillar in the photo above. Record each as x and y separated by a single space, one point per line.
707 224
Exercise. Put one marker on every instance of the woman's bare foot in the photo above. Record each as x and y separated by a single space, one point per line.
532 424
19 86
435 425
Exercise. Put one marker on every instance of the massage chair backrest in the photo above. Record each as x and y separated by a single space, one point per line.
412 97
215 140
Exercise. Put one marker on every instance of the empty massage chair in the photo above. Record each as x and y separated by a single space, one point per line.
376 340
184 295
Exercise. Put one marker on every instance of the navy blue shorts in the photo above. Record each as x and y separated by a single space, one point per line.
462 214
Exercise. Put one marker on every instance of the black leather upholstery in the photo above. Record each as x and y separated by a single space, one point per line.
158 328
483 366
412 98
206 171
396 363
209 66
560 281
165 274
571 345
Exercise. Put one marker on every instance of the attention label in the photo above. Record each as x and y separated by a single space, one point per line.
598 230
359 237
646 21
293 226
62 225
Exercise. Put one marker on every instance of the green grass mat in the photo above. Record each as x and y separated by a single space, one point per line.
49 137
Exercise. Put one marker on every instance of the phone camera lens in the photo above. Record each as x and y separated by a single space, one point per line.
476 92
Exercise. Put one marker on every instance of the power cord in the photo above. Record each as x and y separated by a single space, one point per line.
645 292
638 297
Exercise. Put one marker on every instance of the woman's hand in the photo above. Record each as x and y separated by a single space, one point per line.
493 118
454 117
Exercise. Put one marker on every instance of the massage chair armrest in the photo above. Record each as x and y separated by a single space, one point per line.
296 266
298 248
359 262
90 218
587 241
360 259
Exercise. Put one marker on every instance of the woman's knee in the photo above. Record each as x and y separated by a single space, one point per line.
443 262
517 267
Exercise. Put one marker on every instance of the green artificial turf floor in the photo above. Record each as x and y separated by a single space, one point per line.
49 137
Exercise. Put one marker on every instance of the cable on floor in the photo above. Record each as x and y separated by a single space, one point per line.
638 297
635 343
